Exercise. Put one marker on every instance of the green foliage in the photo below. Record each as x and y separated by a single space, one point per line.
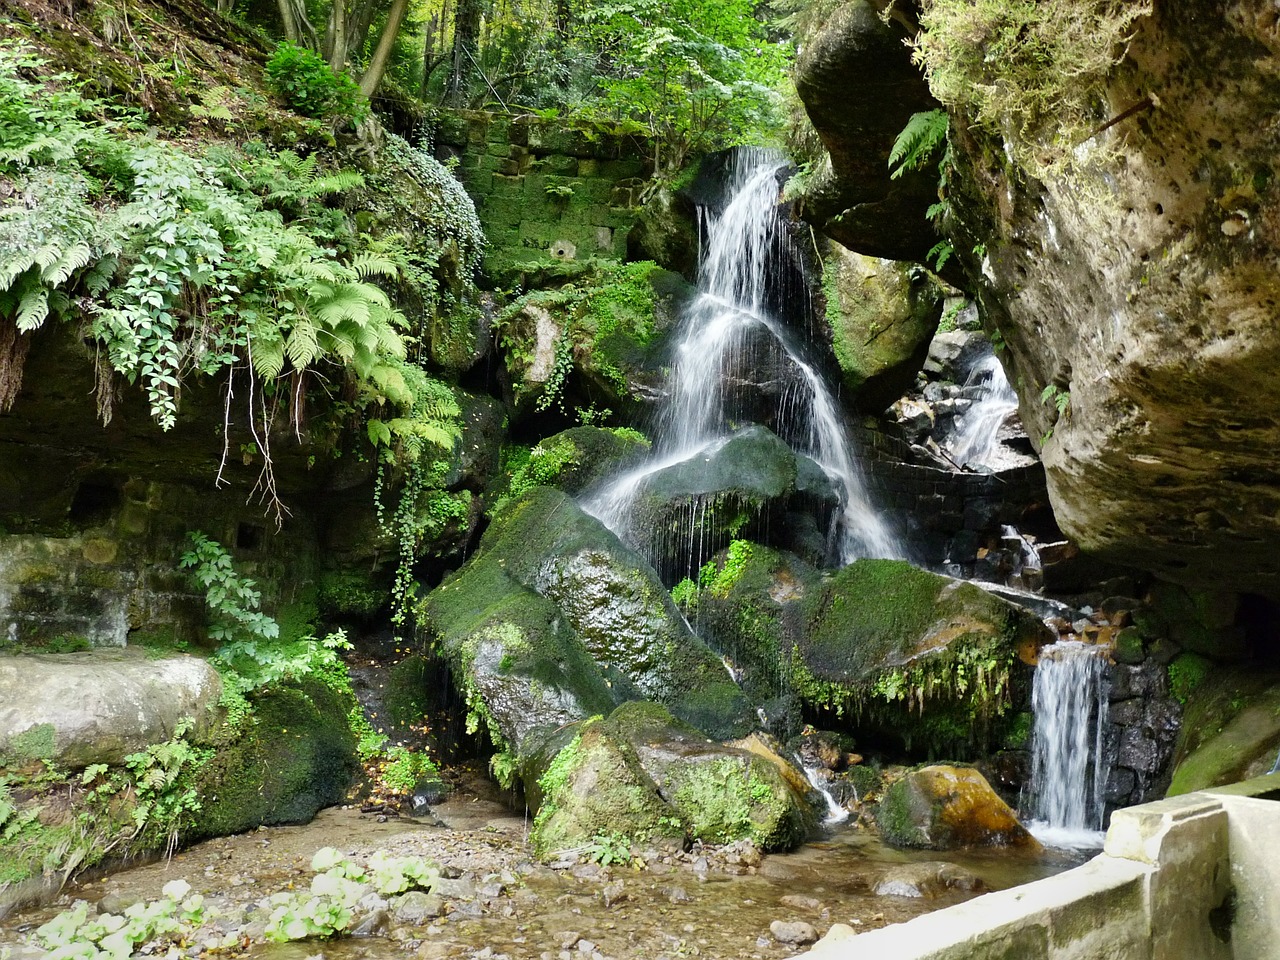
405 768
232 600
505 766
609 848
325 909
165 796
161 924
229 264
1187 672
1026 70
304 81
919 142
1060 399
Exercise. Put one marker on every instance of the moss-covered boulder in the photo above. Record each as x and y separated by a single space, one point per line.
925 658
573 460
1230 729
554 619
741 486
599 339
643 776
295 756
943 808
882 315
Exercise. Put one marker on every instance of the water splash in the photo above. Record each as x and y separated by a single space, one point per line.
728 337
1068 774
976 440
835 812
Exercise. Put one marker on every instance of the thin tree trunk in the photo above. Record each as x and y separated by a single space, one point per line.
466 31
289 22
336 36
386 43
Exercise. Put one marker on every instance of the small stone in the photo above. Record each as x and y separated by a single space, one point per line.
415 907
586 946
793 932
678 895
798 902
613 893
373 925
455 889
568 938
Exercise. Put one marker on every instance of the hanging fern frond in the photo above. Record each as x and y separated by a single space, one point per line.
918 143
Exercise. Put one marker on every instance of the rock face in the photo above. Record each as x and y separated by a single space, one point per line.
942 808
882 316
648 779
923 655
859 88
1140 286
555 619
98 706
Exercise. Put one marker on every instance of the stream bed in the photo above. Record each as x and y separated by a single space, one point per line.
501 904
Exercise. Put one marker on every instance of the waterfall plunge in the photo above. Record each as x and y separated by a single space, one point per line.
720 332
1068 776
976 440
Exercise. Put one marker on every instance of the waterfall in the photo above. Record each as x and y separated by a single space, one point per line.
835 813
1068 775
976 440
728 333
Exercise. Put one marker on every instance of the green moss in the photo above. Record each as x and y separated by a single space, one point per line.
1230 728
295 756
727 799
37 743
343 593
1186 673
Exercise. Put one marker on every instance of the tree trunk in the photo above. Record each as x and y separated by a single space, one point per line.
335 37
386 43
466 31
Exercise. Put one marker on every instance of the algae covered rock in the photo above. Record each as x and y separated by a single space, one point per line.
554 619
943 808
925 657
744 484
573 460
296 756
882 315
1230 729
644 777
98 706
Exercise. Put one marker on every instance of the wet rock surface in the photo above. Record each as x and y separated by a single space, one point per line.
942 807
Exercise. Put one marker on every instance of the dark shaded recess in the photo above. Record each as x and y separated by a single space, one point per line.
95 502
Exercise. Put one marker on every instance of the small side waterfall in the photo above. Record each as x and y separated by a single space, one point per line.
835 813
977 433
1068 776
728 338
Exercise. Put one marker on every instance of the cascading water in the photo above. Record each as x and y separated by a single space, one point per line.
729 328
976 440
1068 775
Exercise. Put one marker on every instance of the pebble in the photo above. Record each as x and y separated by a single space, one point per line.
613 893
794 932
798 902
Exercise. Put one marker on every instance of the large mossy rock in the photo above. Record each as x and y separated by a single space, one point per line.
928 659
1135 282
574 460
600 339
554 619
882 315
741 486
98 706
646 778
945 808
293 758
1231 725
859 88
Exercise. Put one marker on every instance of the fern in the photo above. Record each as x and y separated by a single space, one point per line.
918 143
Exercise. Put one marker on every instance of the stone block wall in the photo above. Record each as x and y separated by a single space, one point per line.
547 195
113 577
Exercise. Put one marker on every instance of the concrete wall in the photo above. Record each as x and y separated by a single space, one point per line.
1190 878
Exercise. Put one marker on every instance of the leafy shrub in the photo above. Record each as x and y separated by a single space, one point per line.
304 81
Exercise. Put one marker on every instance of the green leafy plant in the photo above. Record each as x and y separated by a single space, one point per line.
232 600
607 849
306 83
405 768
165 923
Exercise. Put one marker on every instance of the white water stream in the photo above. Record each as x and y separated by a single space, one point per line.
727 328
1068 775
976 440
